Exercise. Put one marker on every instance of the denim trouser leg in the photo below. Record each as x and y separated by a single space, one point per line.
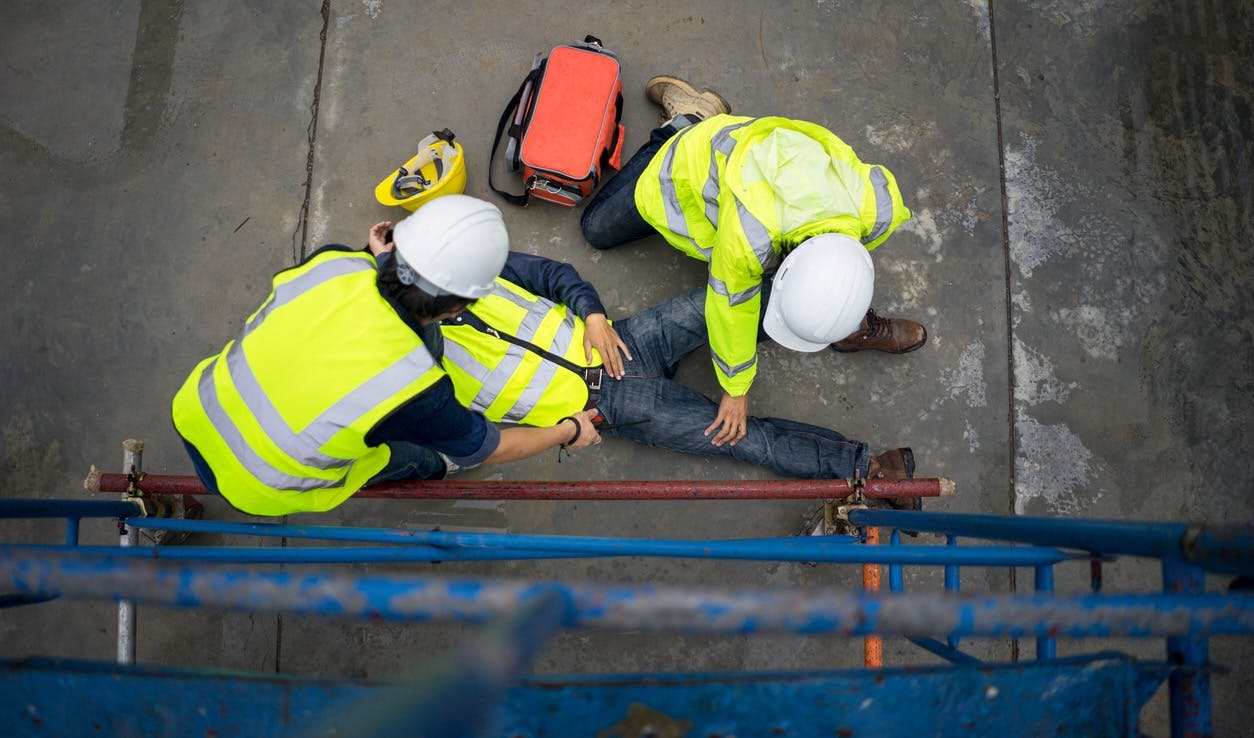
674 328
678 415
409 461
611 218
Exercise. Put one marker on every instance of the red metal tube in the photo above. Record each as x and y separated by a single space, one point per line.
822 489
872 645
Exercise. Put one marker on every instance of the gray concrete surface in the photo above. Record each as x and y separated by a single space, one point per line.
1080 174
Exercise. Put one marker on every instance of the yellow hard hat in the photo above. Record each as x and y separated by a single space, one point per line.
439 168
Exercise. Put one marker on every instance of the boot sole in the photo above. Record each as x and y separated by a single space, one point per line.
651 87
915 347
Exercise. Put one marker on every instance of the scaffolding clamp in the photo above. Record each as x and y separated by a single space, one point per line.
836 511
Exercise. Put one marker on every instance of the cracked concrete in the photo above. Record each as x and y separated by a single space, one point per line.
1090 338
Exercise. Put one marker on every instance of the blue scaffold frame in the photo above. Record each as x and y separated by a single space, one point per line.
521 614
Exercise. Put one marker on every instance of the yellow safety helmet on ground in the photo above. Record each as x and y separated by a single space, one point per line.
439 168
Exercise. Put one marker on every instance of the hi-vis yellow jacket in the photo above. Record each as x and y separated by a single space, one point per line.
740 193
281 415
507 382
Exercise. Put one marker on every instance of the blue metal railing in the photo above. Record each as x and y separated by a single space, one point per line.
1184 613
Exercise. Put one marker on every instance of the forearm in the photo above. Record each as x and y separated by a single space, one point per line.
522 443
554 280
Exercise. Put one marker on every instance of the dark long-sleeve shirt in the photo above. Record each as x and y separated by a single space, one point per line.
554 280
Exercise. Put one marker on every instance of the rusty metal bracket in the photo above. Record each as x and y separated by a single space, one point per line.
836 511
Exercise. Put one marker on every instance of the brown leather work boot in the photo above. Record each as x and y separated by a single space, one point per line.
891 335
895 464
677 97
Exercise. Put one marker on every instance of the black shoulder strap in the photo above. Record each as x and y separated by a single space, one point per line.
468 318
531 78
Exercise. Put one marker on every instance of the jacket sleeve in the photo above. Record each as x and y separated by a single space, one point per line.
733 308
554 280
884 209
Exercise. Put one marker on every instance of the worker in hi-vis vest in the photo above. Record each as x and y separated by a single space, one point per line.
538 348
756 197
332 386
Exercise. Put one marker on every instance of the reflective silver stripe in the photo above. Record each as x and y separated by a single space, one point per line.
495 380
301 447
534 390
733 298
670 200
305 446
883 204
467 362
728 370
368 395
759 238
539 382
723 143
251 460
320 274
462 358
517 299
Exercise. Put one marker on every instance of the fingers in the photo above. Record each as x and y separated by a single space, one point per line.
731 427
375 241
623 346
732 432
613 361
587 346
588 434
618 350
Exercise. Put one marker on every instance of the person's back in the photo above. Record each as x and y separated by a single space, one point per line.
282 413
749 196
330 386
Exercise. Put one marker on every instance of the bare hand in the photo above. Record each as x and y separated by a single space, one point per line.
732 420
588 434
378 232
599 334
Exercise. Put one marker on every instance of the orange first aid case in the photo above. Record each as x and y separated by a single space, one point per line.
563 122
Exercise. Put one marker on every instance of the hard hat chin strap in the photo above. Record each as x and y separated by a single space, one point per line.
407 183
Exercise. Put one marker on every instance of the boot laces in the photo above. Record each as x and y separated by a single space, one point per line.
877 327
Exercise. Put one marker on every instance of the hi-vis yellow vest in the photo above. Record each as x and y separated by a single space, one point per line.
740 193
281 415
509 383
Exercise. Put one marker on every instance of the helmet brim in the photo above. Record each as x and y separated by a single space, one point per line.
773 324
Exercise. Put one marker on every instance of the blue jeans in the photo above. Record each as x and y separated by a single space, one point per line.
611 218
678 416
409 461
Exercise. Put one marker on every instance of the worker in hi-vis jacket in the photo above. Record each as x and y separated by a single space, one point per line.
756 197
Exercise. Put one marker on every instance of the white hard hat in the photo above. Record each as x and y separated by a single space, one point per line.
455 244
821 293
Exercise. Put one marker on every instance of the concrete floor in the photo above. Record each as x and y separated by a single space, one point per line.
1079 170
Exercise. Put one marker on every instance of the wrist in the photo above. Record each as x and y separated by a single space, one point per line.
578 429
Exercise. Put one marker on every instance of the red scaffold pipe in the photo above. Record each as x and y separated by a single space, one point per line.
821 489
